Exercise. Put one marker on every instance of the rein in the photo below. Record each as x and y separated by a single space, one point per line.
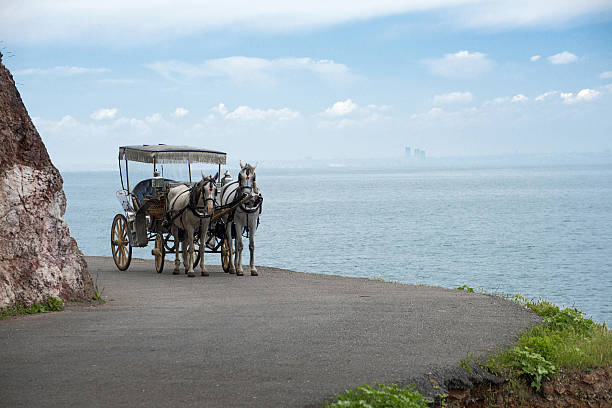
200 212
194 193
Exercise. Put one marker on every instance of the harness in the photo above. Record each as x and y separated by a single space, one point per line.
254 205
195 192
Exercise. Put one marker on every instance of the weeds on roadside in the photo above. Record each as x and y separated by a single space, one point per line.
466 288
48 304
380 396
98 293
465 363
567 339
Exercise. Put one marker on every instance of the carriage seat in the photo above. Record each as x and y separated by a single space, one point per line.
144 190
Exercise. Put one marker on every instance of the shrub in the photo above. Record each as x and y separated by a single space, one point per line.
381 396
531 364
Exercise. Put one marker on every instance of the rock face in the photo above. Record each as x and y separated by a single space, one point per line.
38 257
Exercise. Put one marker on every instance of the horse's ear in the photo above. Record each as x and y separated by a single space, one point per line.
255 166
203 176
241 166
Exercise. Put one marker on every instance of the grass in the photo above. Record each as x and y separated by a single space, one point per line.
566 340
380 396
48 304
98 293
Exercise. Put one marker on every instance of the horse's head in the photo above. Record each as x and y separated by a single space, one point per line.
246 177
208 191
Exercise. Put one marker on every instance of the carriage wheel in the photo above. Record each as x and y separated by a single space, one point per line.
159 252
120 243
225 256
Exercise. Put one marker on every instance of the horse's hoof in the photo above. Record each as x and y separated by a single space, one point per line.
175 272
191 274
239 273
204 273
254 273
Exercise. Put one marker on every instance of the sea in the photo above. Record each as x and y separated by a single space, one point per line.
539 231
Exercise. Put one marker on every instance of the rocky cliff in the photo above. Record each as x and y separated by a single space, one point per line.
38 257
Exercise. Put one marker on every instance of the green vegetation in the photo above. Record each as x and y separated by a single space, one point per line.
98 298
98 295
48 304
466 288
566 340
465 363
381 396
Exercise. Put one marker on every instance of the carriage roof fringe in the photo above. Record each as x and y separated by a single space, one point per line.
170 154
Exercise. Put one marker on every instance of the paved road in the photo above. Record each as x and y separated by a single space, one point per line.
282 339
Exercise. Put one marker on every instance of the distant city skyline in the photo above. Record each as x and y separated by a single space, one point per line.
287 81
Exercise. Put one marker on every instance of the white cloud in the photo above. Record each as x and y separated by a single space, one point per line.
497 101
180 112
453 97
116 81
251 69
343 114
48 21
462 64
535 58
546 96
584 95
519 98
61 70
606 75
246 113
154 118
67 121
104 114
221 109
341 108
564 57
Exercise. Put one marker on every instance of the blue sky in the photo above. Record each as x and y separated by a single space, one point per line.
285 80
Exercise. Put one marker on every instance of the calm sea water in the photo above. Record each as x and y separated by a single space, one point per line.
541 232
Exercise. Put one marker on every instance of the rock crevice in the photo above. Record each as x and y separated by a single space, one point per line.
38 257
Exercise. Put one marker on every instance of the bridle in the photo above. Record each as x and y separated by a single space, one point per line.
248 184
198 192
255 203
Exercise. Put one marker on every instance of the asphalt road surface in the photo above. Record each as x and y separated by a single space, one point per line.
282 339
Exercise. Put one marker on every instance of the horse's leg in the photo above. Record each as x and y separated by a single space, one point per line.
239 225
252 227
184 250
188 254
203 236
177 262
228 236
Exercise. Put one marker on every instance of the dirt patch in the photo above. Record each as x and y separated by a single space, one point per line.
590 388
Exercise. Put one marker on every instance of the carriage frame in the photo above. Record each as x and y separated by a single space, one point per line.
144 206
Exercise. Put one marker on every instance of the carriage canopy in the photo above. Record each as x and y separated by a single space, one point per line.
162 153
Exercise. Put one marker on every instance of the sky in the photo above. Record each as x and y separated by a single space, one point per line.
271 80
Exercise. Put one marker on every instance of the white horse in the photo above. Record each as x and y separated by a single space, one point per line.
187 208
245 215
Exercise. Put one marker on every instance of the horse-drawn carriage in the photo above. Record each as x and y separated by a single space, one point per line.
151 212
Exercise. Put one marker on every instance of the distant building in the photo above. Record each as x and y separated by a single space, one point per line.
416 153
